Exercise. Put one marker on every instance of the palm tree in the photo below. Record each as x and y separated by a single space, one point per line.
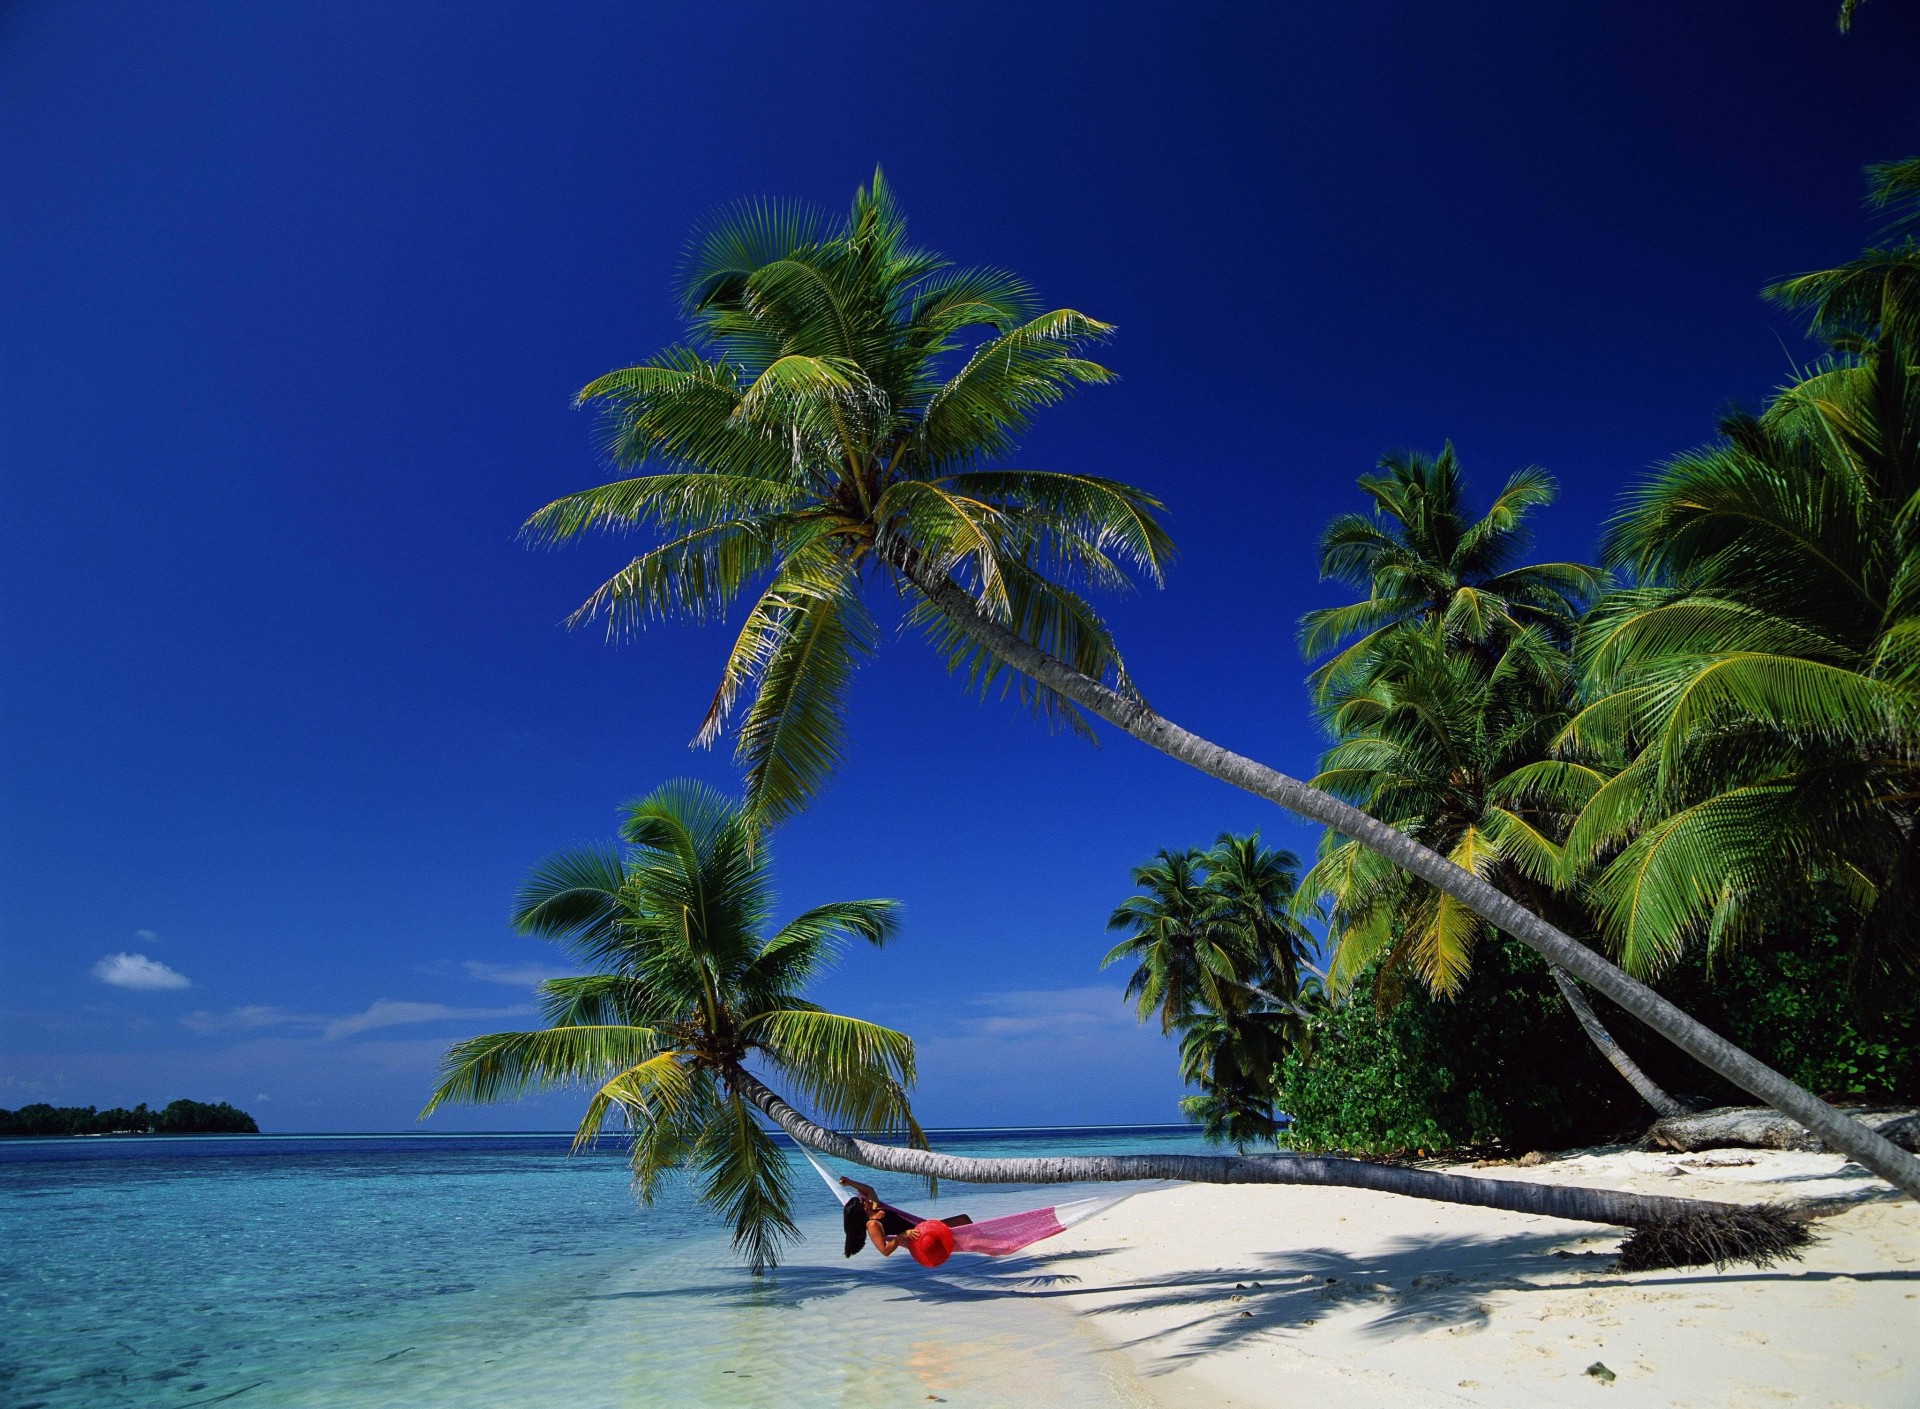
816 438
1231 1057
1453 752
1669 1232
1211 937
1421 557
1253 889
691 996
1427 564
1181 960
1763 692
688 987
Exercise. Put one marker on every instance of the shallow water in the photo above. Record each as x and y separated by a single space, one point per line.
494 1271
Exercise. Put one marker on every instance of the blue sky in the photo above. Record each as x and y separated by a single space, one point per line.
297 298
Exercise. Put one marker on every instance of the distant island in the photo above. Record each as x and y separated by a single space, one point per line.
176 1118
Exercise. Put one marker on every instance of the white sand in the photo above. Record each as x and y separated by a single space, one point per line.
1370 1300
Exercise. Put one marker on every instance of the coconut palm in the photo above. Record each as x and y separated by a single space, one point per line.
688 987
1427 566
1669 1232
841 422
1876 295
1766 691
1421 557
1231 1056
1253 889
1454 753
1760 692
691 997
1217 953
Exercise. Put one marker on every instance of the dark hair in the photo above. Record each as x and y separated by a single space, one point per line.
853 1217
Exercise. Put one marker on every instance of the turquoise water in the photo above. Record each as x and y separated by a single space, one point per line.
495 1272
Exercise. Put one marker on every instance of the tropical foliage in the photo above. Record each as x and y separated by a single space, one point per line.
1390 1069
1720 784
687 988
842 417
1218 956
1446 748
1757 694
175 1118
1423 559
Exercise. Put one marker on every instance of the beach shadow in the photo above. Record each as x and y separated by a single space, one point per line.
1414 1286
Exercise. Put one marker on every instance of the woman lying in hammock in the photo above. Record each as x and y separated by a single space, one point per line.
866 1219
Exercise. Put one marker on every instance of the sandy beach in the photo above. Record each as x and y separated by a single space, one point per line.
1250 1296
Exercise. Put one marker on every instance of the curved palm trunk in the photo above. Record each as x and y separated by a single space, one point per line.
1133 716
1650 1090
1572 1202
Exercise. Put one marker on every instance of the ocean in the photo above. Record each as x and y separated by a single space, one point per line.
494 1271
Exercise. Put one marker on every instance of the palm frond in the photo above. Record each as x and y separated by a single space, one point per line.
503 1065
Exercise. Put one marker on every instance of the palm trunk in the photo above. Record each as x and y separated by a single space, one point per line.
1650 1090
1769 1232
1258 992
1132 715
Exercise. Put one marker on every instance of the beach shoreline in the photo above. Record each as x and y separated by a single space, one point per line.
1239 1296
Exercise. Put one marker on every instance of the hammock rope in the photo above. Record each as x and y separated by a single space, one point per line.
996 1237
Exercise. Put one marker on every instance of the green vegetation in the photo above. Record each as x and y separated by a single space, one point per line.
1218 955
176 1118
1712 774
837 425
687 987
833 423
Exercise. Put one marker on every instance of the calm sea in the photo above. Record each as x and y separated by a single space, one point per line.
495 1271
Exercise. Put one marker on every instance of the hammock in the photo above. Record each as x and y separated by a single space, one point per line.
995 1237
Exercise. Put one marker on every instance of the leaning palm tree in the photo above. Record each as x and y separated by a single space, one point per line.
840 421
689 986
1668 1232
691 997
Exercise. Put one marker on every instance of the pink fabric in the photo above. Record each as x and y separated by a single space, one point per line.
996 1237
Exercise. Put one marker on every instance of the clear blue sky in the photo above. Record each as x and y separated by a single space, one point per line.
297 295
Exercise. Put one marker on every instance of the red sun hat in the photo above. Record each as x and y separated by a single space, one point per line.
931 1243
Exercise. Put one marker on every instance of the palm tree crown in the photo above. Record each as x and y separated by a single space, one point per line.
1451 752
1762 696
688 989
1421 556
841 415
1218 954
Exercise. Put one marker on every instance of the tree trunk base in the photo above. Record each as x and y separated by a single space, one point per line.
1763 1128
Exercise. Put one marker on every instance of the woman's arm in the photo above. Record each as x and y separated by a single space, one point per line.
865 1190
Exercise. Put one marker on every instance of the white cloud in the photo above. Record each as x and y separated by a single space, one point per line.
146 936
1051 1012
138 971
384 1013
513 975
1032 1056
256 1015
387 1013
